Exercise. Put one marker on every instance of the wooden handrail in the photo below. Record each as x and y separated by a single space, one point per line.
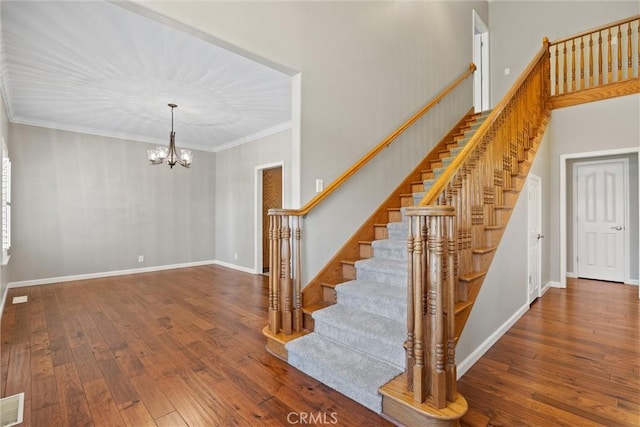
595 30
377 149
438 187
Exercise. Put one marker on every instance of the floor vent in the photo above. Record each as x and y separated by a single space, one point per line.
11 410
19 300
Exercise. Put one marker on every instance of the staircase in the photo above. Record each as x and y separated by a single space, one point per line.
381 321
357 344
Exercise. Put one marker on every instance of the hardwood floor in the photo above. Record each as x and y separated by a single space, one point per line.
183 347
172 348
572 360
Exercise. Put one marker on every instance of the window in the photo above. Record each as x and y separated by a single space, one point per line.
6 203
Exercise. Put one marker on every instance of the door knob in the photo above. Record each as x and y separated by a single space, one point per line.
618 228
540 236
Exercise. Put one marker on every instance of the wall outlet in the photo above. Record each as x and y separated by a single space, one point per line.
235 256
141 258
319 185
507 71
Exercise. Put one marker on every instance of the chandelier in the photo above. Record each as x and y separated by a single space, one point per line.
158 155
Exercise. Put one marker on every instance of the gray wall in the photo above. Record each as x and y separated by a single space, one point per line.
366 67
518 27
236 197
4 133
593 127
88 204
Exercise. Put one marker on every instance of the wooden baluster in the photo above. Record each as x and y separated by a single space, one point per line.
297 302
272 280
285 278
434 312
573 65
629 53
590 60
419 378
600 74
557 87
581 63
564 67
609 58
410 341
619 52
452 284
274 276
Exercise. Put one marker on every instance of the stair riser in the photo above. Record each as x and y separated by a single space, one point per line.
366 251
395 216
381 232
329 295
398 231
481 262
348 272
390 352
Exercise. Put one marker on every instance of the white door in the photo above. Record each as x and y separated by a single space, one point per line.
601 208
481 59
535 236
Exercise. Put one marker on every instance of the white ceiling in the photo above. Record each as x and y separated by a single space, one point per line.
98 68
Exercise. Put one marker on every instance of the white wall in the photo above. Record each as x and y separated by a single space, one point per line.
85 204
236 197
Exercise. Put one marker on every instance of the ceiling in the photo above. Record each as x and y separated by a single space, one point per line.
98 68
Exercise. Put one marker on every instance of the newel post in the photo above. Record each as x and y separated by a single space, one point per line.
431 298
285 296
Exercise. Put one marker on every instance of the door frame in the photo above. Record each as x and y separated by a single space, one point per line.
538 180
626 212
563 202
257 256
482 77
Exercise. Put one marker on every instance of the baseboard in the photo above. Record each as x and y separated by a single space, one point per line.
545 288
633 282
571 275
467 363
553 284
72 278
235 267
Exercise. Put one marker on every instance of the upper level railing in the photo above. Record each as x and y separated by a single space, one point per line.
285 293
607 55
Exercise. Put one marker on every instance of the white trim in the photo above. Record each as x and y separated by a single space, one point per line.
234 266
467 363
480 54
545 288
257 225
296 140
20 411
572 275
558 285
563 200
253 137
633 282
75 277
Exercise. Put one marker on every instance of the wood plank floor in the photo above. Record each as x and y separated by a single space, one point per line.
183 347
572 360
171 348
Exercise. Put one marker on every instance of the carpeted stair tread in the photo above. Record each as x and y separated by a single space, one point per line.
351 373
374 297
379 337
390 249
381 270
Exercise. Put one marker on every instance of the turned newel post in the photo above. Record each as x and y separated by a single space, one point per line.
274 276
432 278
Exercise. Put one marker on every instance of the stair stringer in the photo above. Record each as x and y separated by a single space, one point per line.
332 272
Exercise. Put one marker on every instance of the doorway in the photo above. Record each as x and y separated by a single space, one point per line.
270 197
601 203
534 189
481 58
